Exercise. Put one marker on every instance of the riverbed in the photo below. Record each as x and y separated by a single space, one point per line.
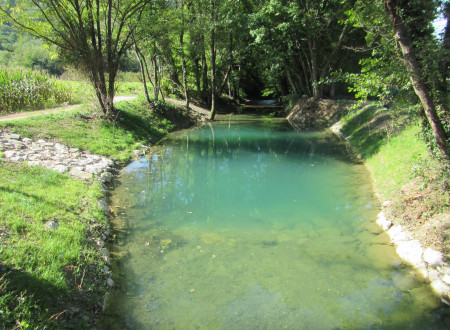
246 223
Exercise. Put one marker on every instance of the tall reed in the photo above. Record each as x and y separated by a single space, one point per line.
26 89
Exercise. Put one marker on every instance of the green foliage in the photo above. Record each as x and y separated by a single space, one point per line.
22 89
31 53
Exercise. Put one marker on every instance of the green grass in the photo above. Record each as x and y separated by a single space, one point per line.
86 130
41 270
392 143
52 278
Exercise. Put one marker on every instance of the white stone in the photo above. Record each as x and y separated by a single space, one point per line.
104 205
411 251
444 270
397 234
9 153
386 203
433 274
94 169
11 136
60 168
104 251
106 177
109 282
383 222
80 174
51 224
446 279
440 287
433 257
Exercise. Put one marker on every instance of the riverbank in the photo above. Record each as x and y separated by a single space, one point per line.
411 183
54 269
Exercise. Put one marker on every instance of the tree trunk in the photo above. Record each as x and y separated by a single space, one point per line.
183 66
143 73
412 65
317 91
291 82
204 73
445 59
155 70
213 75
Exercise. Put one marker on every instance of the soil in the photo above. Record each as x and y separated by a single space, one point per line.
313 114
26 114
413 209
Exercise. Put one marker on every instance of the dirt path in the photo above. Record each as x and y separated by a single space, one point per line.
26 114
194 107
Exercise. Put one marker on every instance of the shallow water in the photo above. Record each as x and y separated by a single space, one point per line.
249 225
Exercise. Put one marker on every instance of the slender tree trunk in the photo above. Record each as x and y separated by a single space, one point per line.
197 74
143 73
225 79
183 59
412 65
314 70
183 65
155 70
213 75
291 82
445 59
204 73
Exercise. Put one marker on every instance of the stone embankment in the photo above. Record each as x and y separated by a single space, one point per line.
79 164
429 262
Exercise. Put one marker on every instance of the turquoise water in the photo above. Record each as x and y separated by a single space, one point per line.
248 224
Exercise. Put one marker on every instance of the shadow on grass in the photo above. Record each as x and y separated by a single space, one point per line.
150 125
38 304
368 130
38 199
23 296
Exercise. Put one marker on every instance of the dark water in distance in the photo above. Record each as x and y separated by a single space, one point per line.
250 225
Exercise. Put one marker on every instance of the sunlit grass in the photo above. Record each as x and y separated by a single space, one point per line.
86 130
392 143
40 264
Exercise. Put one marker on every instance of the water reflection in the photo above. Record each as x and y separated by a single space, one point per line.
256 226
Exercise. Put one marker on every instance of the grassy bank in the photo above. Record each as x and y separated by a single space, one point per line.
404 170
55 278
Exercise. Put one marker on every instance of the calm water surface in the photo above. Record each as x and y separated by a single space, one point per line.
249 225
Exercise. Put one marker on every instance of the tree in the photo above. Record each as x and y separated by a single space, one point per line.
405 57
305 37
411 62
94 35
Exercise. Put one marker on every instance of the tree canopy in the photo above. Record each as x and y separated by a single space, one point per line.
206 49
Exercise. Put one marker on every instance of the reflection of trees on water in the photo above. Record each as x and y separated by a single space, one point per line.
223 167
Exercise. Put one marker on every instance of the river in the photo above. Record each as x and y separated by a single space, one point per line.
247 224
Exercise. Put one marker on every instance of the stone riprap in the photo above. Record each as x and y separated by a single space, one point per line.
80 164
430 263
